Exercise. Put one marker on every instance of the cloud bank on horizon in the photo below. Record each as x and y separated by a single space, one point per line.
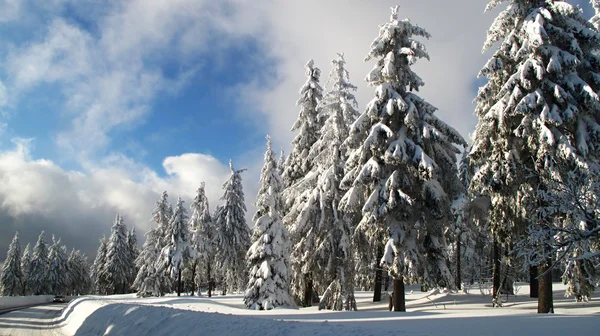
103 105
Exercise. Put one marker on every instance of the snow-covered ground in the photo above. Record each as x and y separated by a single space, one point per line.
428 314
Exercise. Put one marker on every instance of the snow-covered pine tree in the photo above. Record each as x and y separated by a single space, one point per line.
281 162
308 123
11 281
38 269
203 233
268 257
538 117
25 264
117 254
134 252
595 20
150 280
58 275
177 251
321 233
161 215
401 161
98 273
80 281
232 232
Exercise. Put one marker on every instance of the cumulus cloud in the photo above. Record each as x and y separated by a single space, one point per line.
39 195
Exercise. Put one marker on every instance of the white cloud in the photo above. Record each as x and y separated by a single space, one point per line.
10 10
85 203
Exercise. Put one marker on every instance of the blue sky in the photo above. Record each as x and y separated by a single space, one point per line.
121 100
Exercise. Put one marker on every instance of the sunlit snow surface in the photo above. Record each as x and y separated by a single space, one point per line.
428 314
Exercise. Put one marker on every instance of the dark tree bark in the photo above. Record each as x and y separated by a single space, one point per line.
533 282
308 290
210 281
545 302
496 270
194 265
179 283
457 276
378 276
386 276
399 298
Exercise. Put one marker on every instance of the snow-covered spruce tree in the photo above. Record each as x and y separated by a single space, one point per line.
11 281
38 269
58 275
161 215
202 243
401 162
98 273
80 282
232 232
25 264
117 254
281 163
177 251
595 20
150 280
321 233
538 117
268 258
308 124
134 252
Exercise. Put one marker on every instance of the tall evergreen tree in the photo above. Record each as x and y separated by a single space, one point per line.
80 281
25 264
134 252
321 232
281 162
150 279
161 215
232 232
117 254
268 257
177 251
400 163
38 269
11 281
58 275
308 124
538 120
98 270
203 233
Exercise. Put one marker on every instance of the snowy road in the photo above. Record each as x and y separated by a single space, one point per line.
33 321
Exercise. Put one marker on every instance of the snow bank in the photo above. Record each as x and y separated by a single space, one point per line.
453 314
8 302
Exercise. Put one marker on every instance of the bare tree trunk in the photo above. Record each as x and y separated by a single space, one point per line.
457 276
399 298
210 281
386 281
308 290
496 270
179 283
194 265
378 276
534 287
545 302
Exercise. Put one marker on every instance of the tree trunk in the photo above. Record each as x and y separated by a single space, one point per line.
308 290
496 270
210 282
194 265
399 298
533 282
545 302
457 276
378 276
386 281
179 283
